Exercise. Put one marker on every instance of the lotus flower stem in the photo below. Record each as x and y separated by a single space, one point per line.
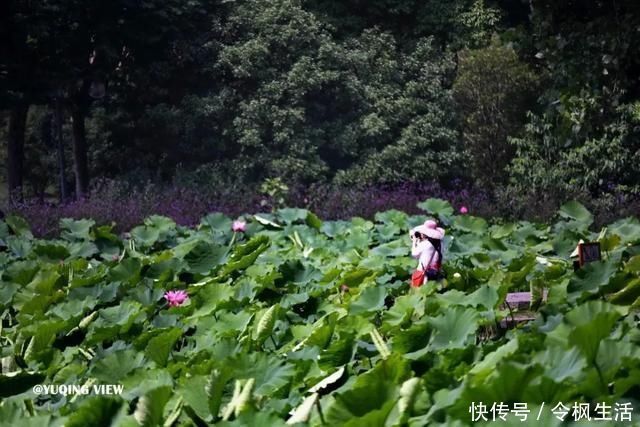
320 411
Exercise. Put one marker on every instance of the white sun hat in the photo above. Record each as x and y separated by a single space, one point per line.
430 229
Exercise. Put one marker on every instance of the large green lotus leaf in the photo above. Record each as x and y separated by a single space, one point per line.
529 234
162 223
592 322
485 367
270 375
96 411
115 366
51 252
614 356
19 247
13 414
339 353
412 342
403 308
333 228
357 239
126 271
204 257
251 418
105 232
455 328
371 391
114 320
313 221
391 250
628 294
21 272
507 383
370 299
559 363
439 207
361 224
245 255
7 291
591 279
355 278
610 243
576 211
230 324
470 224
210 296
628 229
18 382
159 347
290 300
321 335
633 265
392 216
624 384
193 391
216 222
150 407
376 418
291 215
181 249
486 296
40 290
76 229
146 294
565 241
72 308
145 236
500 231
266 224
386 232
538 415
143 380
464 245
82 249
19 226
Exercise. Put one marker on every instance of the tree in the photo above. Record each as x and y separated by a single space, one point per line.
584 134
493 90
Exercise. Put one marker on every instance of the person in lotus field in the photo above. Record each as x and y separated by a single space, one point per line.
426 245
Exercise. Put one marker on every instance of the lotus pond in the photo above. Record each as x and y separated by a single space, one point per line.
303 322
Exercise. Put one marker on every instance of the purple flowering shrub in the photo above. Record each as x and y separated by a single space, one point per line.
126 207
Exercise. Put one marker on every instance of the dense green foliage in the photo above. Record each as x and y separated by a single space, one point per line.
521 98
296 314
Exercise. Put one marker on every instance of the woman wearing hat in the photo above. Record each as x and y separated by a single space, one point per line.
427 247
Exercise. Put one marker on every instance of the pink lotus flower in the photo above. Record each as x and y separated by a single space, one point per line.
464 210
176 298
238 226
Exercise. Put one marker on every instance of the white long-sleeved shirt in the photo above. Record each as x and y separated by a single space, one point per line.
426 254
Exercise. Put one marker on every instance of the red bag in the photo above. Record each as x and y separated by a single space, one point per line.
417 278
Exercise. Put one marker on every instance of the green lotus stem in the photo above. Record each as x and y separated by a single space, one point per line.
28 403
320 411
275 346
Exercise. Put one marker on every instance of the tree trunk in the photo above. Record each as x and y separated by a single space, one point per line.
80 165
15 150
60 148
